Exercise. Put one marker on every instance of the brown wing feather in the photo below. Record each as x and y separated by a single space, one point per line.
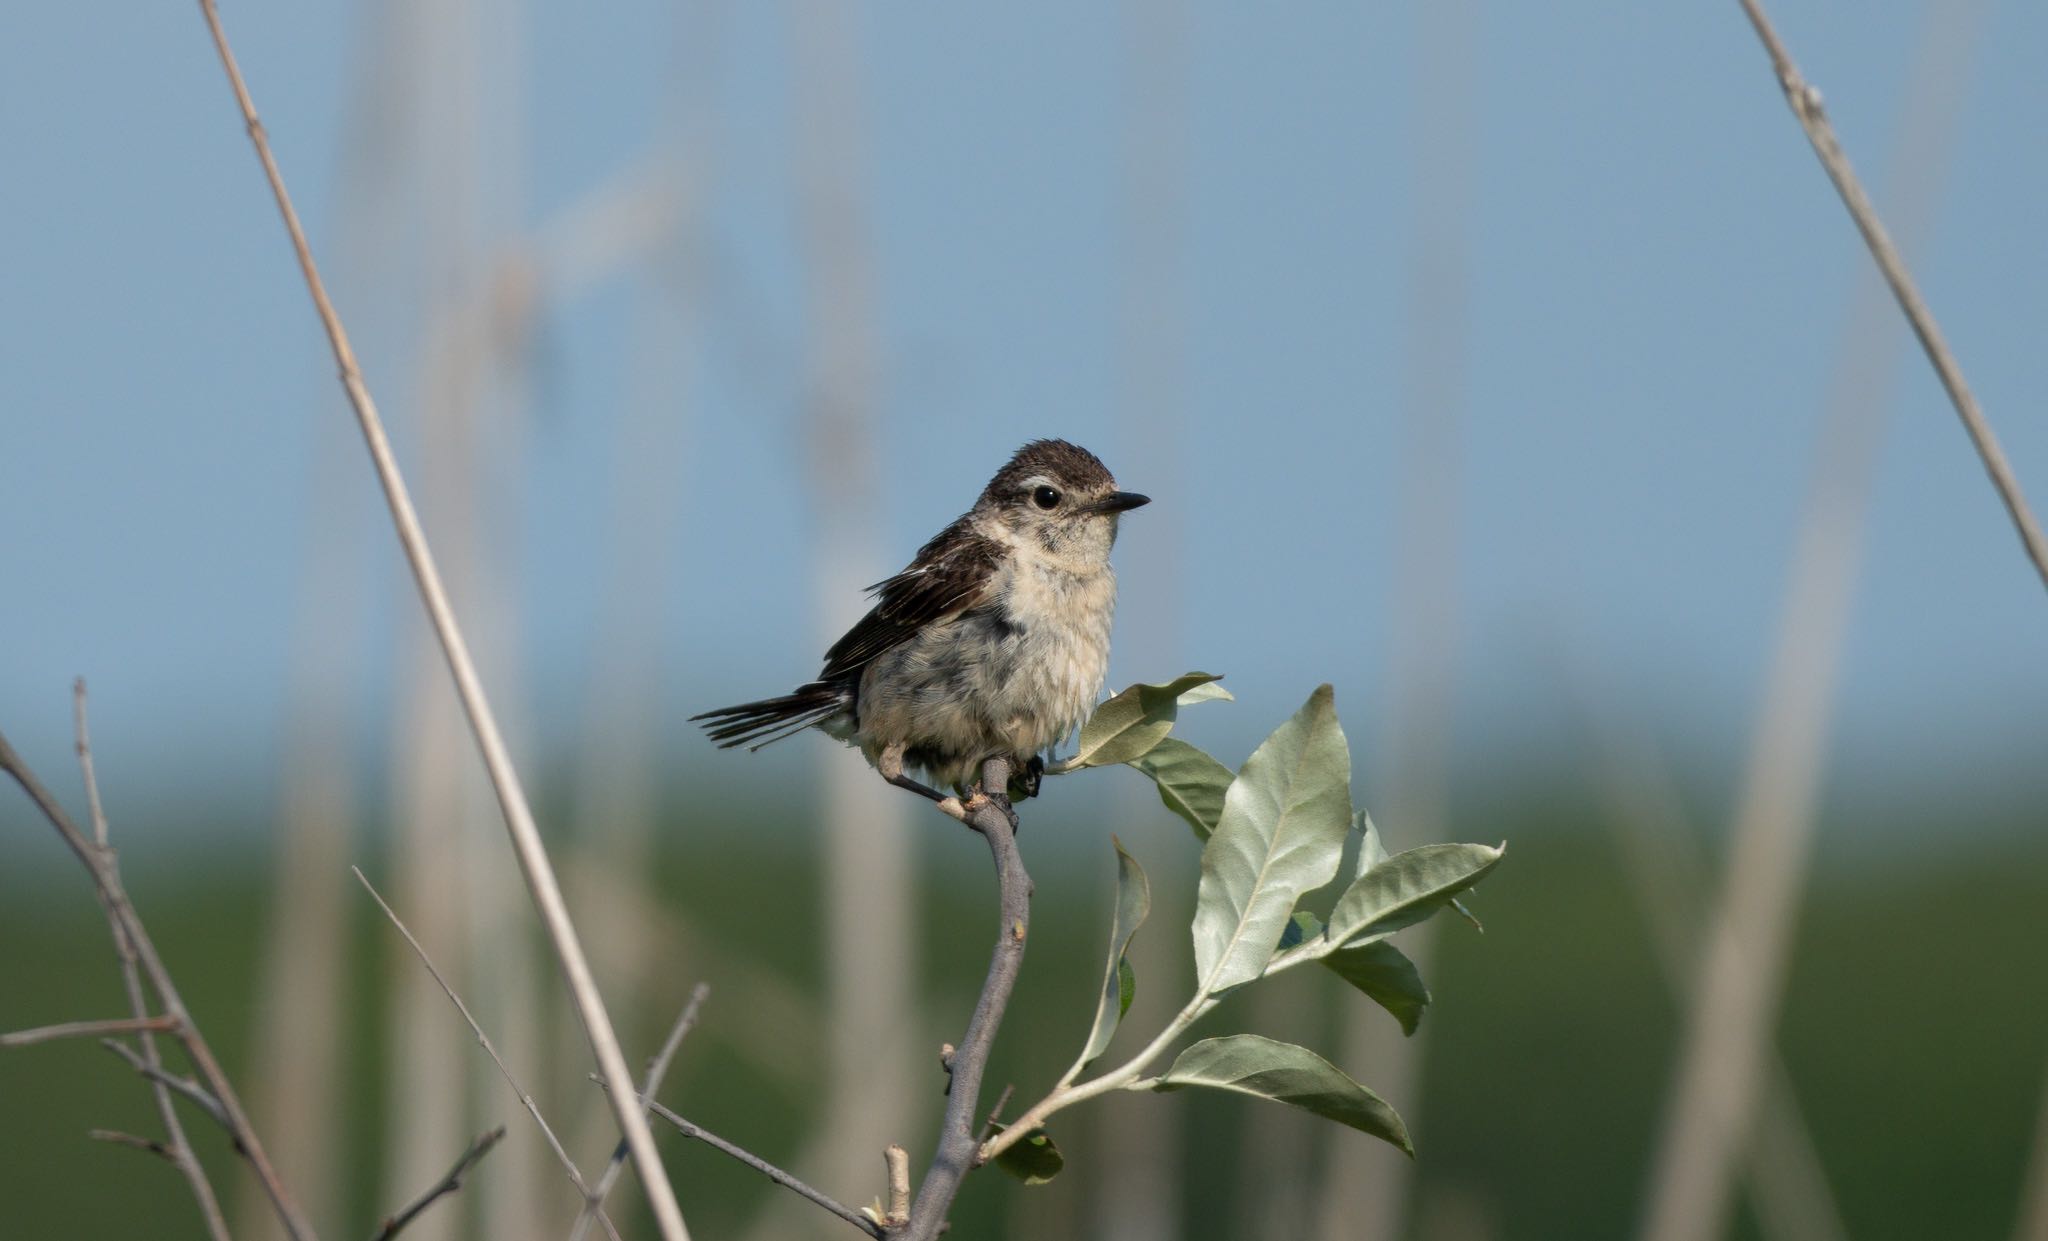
950 574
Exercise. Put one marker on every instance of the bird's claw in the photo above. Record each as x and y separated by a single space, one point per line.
977 799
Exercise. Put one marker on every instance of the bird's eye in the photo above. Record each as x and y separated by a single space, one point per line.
1046 497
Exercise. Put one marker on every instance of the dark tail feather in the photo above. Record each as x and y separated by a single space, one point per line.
792 713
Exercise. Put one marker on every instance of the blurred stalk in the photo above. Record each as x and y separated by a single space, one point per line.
1365 1183
1734 1009
2033 1221
1136 1192
868 871
1788 1183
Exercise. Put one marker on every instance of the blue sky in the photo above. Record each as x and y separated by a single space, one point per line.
1655 278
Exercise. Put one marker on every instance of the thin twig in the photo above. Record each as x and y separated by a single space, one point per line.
118 1138
200 1096
106 877
505 1070
957 1138
177 1148
1805 101
89 1029
540 878
443 1187
657 1069
691 1129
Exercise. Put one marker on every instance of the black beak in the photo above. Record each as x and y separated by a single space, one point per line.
1119 502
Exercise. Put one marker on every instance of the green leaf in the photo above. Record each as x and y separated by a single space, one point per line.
1302 926
1370 851
1408 887
1207 691
1190 782
1133 902
1034 1160
1385 973
1130 724
1249 1064
1281 834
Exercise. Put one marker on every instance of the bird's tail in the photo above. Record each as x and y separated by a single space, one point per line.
772 719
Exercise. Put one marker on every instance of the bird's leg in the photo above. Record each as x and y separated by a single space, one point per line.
890 764
979 796
1026 781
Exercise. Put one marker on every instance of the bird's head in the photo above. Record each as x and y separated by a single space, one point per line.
1058 496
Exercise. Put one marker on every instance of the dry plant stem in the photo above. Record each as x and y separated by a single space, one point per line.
89 1029
526 842
442 1188
526 1100
117 1138
1806 105
691 1129
176 1148
896 1161
106 878
657 1069
958 1142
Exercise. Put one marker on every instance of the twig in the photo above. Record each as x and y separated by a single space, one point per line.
540 878
957 1138
200 1096
177 1149
505 1070
657 1069
897 1161
118 1138
89 1029
106 877
1806 105
691 1129
445 1186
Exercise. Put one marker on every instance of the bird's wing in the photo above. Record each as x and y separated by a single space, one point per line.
951 574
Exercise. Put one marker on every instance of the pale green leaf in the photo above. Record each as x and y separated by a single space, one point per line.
1370 851
1301 927
1207 691
1408 887
1281 834
1131 723
1034 1160
1190 782
1266 1069
1133 903
1383 972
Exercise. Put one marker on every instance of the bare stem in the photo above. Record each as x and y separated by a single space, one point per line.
442 1188
958 1143
540 878
1805 101
106 877
89 1029
657 1068
526 1100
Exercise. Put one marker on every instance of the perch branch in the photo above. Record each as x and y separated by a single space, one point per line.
958 1140
176 1148
1805 101
106 877
443 1187
541 883
504 1070
657 1068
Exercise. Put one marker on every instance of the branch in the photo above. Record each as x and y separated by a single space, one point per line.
106 877
1805 101
505 1070
691 1129
175 1146
657 1068
957 1136
540 878
445 1186
89 1029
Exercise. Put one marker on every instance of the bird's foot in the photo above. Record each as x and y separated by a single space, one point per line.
1025 783
979 799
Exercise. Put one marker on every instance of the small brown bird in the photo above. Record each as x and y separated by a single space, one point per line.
994 642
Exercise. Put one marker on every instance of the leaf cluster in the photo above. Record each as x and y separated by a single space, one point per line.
1273 834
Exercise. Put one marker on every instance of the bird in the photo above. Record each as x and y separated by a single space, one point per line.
992 643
